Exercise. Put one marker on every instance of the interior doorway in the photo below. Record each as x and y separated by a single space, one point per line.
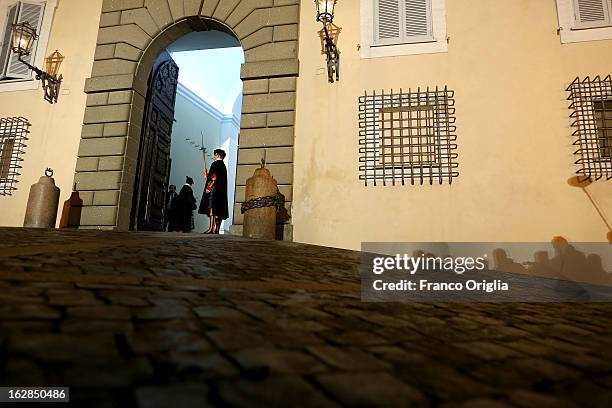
193 107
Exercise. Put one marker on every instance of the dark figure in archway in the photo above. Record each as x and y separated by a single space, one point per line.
185 204
170 209
214 199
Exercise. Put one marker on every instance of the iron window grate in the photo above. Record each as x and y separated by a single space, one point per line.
408 137
13 134
591 115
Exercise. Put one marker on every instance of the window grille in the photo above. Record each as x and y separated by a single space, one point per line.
591 114
408 137
13 134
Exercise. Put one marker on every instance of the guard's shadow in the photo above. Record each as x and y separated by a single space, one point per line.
282 217
71 212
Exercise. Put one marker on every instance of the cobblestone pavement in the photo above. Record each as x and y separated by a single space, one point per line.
162 320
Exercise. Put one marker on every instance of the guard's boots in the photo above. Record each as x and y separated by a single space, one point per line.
217 225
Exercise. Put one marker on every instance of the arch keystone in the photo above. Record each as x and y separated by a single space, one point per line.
192 7
160 12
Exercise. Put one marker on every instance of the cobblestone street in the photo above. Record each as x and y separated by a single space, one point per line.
163 320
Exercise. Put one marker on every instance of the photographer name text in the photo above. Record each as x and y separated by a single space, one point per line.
425 285
410 265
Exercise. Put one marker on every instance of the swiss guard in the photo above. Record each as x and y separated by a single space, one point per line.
214 199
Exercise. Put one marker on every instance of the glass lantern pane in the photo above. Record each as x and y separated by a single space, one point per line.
53 63
325 10
23 38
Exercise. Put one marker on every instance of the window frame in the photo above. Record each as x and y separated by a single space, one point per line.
10 85
430 132
571 32
370 49
602 133
6 157
402 14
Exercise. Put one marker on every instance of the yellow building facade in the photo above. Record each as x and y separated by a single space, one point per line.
508 65
509 71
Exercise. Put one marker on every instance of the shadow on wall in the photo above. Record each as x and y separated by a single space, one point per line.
282 216
71 212
567 263
583 183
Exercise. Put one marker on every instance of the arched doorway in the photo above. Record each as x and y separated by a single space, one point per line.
131 37
153 165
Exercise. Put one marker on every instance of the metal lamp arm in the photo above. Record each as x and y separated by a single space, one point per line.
51 84
39 72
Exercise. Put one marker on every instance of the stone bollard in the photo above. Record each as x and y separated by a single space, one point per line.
43 201
260 206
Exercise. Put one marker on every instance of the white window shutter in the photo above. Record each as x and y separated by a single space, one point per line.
33 13
591 13
5 51
388 21
418 24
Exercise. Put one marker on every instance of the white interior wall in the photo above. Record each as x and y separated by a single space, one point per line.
193 116
209 99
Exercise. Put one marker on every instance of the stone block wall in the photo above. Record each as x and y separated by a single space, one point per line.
132 34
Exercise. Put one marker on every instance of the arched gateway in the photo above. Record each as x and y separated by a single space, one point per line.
132 34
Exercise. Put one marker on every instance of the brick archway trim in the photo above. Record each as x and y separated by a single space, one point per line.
132 34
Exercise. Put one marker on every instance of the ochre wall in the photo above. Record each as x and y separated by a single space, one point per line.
56 129
509 71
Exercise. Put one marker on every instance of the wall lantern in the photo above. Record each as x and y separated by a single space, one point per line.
329 37
333 31
23 38
325 10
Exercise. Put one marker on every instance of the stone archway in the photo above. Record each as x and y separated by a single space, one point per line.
132 34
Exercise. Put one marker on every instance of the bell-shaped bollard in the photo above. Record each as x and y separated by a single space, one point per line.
43 202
